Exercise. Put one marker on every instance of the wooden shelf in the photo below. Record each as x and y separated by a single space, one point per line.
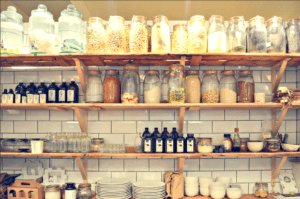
58 155
244 196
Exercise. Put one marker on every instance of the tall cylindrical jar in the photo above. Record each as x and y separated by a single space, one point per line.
293 35
12 31
111 87
149 28
116 35
257 35
236 35
177 84
160 35
138 38
165 87
94 87
216 34
227 87
276 42
192 86
130 85
70 31
245 87
152 87
95 36
127 33
210 87
197 35
41 31
179 39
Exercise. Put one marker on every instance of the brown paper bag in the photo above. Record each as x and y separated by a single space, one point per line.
177 185
168 179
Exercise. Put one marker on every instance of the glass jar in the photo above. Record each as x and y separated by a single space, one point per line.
197 35
216 34
62 143
84 191
236 35
127 33
261 189
111 87
227 87
205 145
2 140
41 31
245 87
165 87
54 143
10 145
149 37
293 35
95 35
210 87
12 31
192 86
86 143
24 145
52 192
130 85
276 42
152 87
138 38
77 146
227 143
272 144
94 87
243 144
160 35
96 142
116 35
71 142
179 39
177 91
47 143
257 35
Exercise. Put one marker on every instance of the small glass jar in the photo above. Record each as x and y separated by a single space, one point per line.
71 142
54 143
24 144
94 87
245 87
293 35
127 33
197 35
86 143
272 144
210 87
216 34
10 145
236 35
62 143
261 189
116 35
138 38
78 147
96 142
149 28
84 191
257 35
193 85
111 87
95 35
243 145
227 87
177 91
165 87
276 42
160 35
130 85
53 192
179 39
205 145
2 140
227 143
152 87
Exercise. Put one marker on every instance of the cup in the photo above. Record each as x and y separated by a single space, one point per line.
260 97
37 146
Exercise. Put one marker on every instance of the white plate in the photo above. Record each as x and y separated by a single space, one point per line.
113 181
149 184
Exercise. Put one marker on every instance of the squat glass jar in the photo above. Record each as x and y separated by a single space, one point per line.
205 145
261 189
276 42
192 86
257 35
130 85
160 35
165 87
94 87
179 39
111 87
210 87
216 34
177 91
293 35
84 191
236 35
24 144
245 87
10 145
95 36
116 35
138 37
152 87
197 35
227 87
52 192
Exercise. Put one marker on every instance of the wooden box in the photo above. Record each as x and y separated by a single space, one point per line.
25 189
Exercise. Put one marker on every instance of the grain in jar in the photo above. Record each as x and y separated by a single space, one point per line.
293 35
152 87
94 87
216 34
111 87
179 39
160 35
127 33
210 87
276 38
245 87
149 37
130 85
165 87
95 35
177 84
227 87
192 86
236 35
116 35
138 39
197 36
257 35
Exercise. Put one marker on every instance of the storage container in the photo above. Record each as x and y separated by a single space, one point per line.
86 143
116 35
94 87
160 35
138 38
261 189
227 87
111 87
245 87
193 84
52 192
127 33
210 87
165 87
84 191
236 35
130 85
197 35
152 87
293 35
95 35
205 145
177 90
179 39
257 35
276 42
216 34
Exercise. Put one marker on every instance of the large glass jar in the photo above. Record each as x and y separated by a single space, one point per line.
84 191
165 87
130 85
127 33
116 35
210 87
86 143
149 28
24 144
257 35
96 143
179 39
216 34
236 35
276 42
95 36
12 31
138 38
177 91
52 192
160 35
152 87
227 87
261 189
71 142
41 31
94 87
192 86
10 145
245 87
54 143
197 35
111 87
62 143
272 144
293 35
205 145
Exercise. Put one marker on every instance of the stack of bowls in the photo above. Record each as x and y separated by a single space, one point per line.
191 186
204 183
225 180
217 190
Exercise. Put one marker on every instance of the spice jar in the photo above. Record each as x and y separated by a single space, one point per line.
116 35
62 143
293 35
138 38
227 87
94 87
152 87
149 28
272 144
111 87
70 191
210 87
257 35
261 189
160 35
236 35
245 87
197 35
165 87
243 144
192 86
177 91
95 35
84 191
205 145
179 39
52 192
276 42
127 33
216 34
130 85
96 142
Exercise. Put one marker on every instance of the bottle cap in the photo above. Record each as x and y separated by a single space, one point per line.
165 128
236 130
5 90
11 90
156 129
227 135
174 129
190 135
146 129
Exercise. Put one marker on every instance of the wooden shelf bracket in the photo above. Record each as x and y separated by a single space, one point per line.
276 81
181 119
83 167
276 126
82 116
82 70
276 170
180 165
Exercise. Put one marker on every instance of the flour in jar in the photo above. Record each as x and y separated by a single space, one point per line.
152 95
227 96
192 89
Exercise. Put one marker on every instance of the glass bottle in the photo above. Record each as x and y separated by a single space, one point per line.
165 133
95 35
236 141
236 35
177 91
245 87
73 92
47 143
111 87
152 87
94 87
180 144
197 35
261 189
130 85
4 96
146 132
62 92
53 93
174 133
155 133
138 37
18 97
36 97
70 191
54 143
169 144
257 35
293 35
10 96
84 191
147 143
30 87
192 86
116 35
165 87
62 143
77 144
179 39
227 143
158 144
138 140
160 35
216 34
86 143
190 144
276 42
21 88
210 87
227 87
43 92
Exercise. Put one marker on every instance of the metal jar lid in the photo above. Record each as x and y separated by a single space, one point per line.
272 140
98 140
261 184
84 186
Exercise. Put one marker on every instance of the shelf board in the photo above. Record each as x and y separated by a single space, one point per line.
57 155
244 196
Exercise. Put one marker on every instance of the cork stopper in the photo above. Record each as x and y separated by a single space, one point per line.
236 130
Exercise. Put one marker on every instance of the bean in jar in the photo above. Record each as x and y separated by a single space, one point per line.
245 87
95 36
216 34
138 39
111 87
236 35
192 86
94 87
160 35
130 85
179 39
227 87
210 87
127 33
197 36
116 35
177 91
152 87
293 35
257 35
276 42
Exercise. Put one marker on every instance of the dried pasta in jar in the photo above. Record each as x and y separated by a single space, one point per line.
138 38
116 35
95 36
179 39
197 35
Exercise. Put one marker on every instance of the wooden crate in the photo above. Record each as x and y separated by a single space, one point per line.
25 189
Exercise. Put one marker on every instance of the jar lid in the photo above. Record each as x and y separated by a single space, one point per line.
261 184
179 25
257 18
160 17
11 140
227 71
24 140
130 66
213 17
151 71
42 9
114 17
98 140
127 25
236 17
140 17
274 19
210 71
244 72
52 187
197 17
96 19
227 136
204 139
272 140
244 139
94 71
192 71
111 71
71 11
84 186
11 15
294 19
176 65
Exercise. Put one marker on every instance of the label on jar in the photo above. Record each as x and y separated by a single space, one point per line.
147 146
70 95
24 99
70 194
4 98
43 98
179 146
170 146
10 98
29 98
18 98
159 146
62 96
190 146
36 99
51 95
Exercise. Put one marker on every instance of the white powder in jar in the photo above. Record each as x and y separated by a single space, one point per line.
52 195
205 149
227 96
153 95
192 89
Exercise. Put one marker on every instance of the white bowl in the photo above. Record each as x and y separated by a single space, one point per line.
217 186
256 146
217 193
191 192
234 193
290 147
191 186
205 181
193 180
204 191
225 180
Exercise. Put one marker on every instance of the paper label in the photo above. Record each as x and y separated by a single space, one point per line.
24 99
18 98
4 98
51 95
170 146
70 194
62 96
147 146
190 146
43 98
70 95
36 99
159 146
179 146
10 98
29 98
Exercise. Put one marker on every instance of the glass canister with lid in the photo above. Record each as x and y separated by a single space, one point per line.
127 33
165 87
10 145
130 85
95 35
24 145
111 87
84 191
96 142
261 189
205 145
293 35
160 35
149 28
116 35
216 34
276 42
138 37
257 35
272 144
245 87
210 87
41 31
227 87
197 35
94 87
12 31
236 35
177 84
179 39
53 192
152 87
192 86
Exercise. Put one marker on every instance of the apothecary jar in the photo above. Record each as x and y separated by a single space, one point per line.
111 87
276 38
130 85
116 35
152 87
228 87
210 87
165 87
179 39
94 87
95 35
293 35
236 35
193 84
160 35
197 35
138 37
177 91
216 34
257 35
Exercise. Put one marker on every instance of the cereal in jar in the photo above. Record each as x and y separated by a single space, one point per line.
179 39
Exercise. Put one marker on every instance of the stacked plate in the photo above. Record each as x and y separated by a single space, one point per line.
149 190
113 188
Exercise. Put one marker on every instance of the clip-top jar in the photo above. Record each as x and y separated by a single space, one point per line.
227 87
165 87
95 35
94 87
116 35
245 87
111 87
192 86
236 35
293 35
152 87
84 191
216 34
261 189
179 39
160 35
276 42
52 192
177 91
130 85
257 35
138 37
197 35
210 87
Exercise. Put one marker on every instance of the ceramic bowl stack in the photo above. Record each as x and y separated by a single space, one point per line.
113 188
204 183
191 186
149 190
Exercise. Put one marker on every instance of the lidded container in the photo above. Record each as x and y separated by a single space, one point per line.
261 189
210 87
86 143
257 35
216 34
12 31
41 31
179 39
127 33
197 35
111 87
165 87
96 142
62 143
52 191
95 35
160 35
84 191
293 35
227 87
10 145
138 37
192 86
177 91
205 145
272 144
130 85
23 144
276 38
94 87
152 87
116 35
245 87
236 35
